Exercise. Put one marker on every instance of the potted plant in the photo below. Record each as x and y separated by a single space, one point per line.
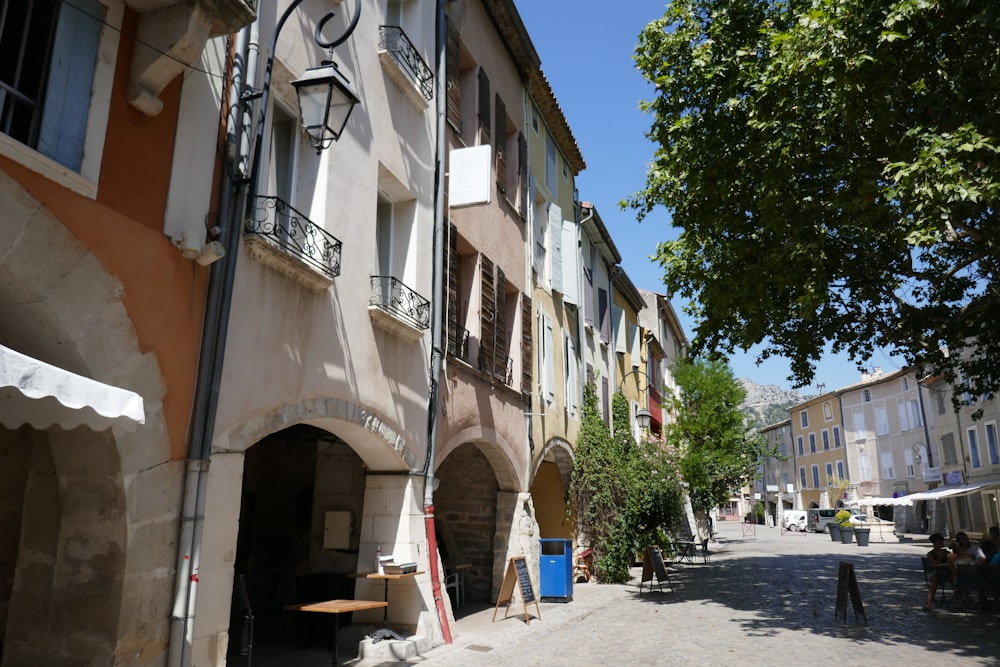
834 531
843 521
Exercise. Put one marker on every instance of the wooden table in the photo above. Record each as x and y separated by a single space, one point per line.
384 632
337 607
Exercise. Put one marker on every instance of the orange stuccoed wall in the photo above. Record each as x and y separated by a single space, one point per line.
163 293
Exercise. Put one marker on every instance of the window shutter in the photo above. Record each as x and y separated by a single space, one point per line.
634 350
484 106
487 314
454 100
605 400
451 261
618 328
570 263
526 345
522 175
555 247
588 295
538 256
500 328
548 353
499 140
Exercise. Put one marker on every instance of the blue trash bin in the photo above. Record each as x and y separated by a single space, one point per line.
555 570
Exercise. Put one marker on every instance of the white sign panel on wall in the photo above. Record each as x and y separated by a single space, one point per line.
469 176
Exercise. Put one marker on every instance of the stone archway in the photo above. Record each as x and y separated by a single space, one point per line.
89 519
549 489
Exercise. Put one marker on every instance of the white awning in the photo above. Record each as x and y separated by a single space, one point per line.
876 502
948 491
42 395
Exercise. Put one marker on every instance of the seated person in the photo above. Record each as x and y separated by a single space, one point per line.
937 559
991 544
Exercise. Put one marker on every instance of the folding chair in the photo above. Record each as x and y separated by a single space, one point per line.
966 584
704 550
929 572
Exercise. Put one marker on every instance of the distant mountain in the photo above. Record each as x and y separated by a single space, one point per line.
768 404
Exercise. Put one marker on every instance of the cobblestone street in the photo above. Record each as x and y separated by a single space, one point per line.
762 599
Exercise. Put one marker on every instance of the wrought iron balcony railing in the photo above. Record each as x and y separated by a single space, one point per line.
394 297
393 40
294 234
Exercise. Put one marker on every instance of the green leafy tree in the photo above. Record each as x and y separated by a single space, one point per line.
622 491
832 168
720 451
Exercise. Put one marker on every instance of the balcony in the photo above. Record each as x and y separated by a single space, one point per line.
404 66
284 239
398 309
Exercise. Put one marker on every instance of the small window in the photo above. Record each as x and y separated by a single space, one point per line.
836 436
826 439
815 473
974 448
804 419
866 395
812 443
829 474
803 478
799 442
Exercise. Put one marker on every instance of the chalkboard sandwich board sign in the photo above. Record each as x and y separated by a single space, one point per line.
517 573
652 565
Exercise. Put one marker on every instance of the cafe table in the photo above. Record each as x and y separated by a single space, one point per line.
337 607
385 632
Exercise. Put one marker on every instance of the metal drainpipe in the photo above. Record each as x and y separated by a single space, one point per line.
218 303
581 316
438 301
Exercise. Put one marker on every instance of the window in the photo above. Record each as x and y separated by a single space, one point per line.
904 419
939 399
488 319
812 443
551 165
991 443
48 54
881 420
916 414
802 477
604 313
836 436
798 440
804 419
571 374
888 468
815 476
546 358
859 424
840 471
908 460
865 468
974 448
829 474
866 395
948 449
826 439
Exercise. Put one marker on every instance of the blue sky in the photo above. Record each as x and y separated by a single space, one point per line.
586 49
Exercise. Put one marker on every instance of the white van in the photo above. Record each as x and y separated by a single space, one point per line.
794 520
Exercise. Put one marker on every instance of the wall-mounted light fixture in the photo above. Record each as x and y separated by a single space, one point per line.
325 103
643 417
917 458
324 93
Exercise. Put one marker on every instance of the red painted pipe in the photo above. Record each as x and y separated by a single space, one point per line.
435 575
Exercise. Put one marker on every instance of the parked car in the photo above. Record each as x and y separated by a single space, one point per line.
794 520
857 519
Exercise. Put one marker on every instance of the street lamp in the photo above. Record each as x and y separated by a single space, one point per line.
325 103
319 90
